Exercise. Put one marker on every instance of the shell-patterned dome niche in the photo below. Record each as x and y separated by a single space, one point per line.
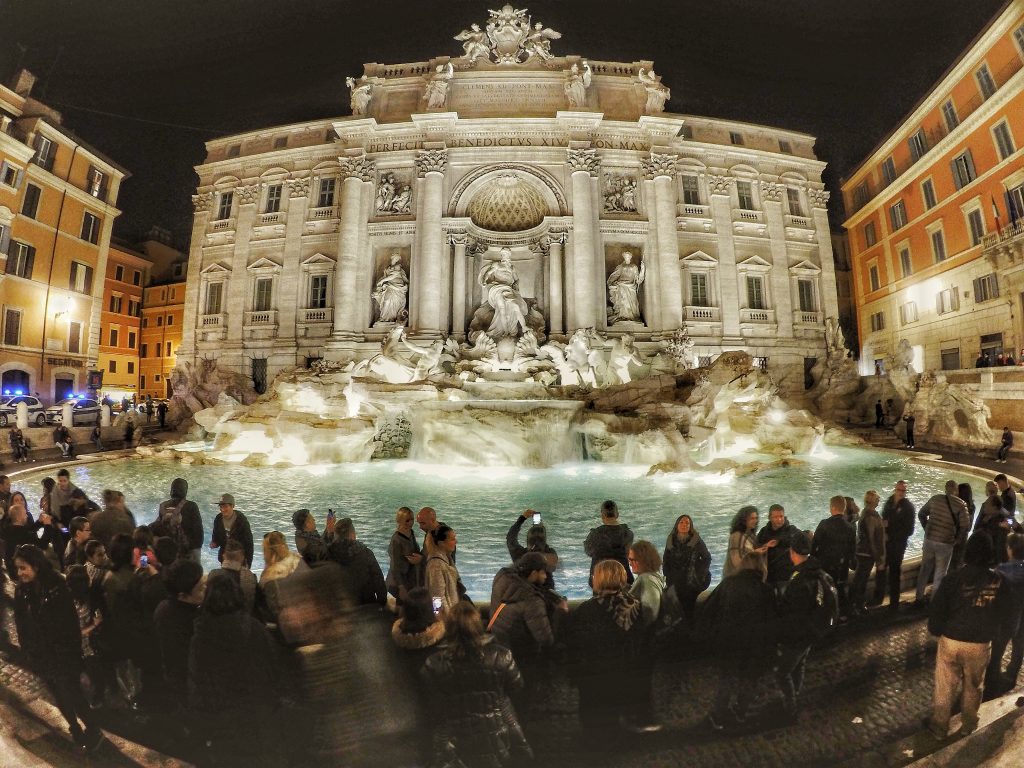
507 204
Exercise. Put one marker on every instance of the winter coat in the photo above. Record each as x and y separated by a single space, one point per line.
780 567
442 578
610 542
283 568
1009 499
240 532
648 589
311 545
48 629
361 574
798 606
522 625
174 622
990 516
471 695
739 615
107 523
179 519
245 579
517 550
675 562
403 575
416 647
740 542
835 545
945 519
899 523
871 537
968 606
13 537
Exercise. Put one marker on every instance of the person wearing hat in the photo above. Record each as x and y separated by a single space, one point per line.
231 524
519 610
800 620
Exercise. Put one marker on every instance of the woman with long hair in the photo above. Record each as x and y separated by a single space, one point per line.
50 638
686 564
441 574
279 561
743 539
469 682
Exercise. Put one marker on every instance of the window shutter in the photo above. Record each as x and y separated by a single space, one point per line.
30 257
954 298
88 279
956 174
5 239
938 303
977 289
1011 208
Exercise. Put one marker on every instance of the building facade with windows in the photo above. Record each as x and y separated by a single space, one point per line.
313 240
57 209
925 209
162 318
127 273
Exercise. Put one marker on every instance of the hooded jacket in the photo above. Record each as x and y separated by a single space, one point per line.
522 625
191 519
360 570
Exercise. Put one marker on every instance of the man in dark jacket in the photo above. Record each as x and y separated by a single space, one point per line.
179 519
1006 495
173 622
964 615
778 529
1005 444
610 540
946 522
835 547
800 621
519 609
113 519
898 516
1011 626
360 570
536 541
231 524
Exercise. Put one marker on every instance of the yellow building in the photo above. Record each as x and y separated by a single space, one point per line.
925 210
126 275
163 309
57 197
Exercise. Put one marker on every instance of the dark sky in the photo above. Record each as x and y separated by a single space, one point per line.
148 81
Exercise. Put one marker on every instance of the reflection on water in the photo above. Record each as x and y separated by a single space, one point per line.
481 503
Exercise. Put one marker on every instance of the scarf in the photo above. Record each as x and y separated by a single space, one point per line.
624 608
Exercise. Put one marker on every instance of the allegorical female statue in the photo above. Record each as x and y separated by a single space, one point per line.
623 290
391 291
500 281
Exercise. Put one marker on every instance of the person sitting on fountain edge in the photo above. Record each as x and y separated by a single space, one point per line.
536 541
609 541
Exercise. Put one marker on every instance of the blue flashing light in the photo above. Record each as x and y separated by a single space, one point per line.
7 391
18 392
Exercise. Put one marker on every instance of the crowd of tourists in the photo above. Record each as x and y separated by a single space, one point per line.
325 656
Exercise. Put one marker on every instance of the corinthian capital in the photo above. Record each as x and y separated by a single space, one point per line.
201 203
431 161
719 185
583 160
356 167
818 197
771 192
248 194
298 187
659 165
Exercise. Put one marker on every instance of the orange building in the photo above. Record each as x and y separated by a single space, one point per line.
162 314
57 210
922 207
126 275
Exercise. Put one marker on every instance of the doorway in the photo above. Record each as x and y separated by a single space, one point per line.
63 387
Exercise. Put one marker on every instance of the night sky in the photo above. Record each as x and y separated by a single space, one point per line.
148 81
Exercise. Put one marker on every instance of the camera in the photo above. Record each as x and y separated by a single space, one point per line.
438 603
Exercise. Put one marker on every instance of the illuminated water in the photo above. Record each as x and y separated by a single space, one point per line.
482 503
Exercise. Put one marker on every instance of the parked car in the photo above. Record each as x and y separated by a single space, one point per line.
85 410
9 410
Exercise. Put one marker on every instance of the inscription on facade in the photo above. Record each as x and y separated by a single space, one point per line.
525 97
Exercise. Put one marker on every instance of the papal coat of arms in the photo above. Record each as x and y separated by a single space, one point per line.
508 38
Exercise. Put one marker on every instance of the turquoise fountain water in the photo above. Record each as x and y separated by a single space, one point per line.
482 502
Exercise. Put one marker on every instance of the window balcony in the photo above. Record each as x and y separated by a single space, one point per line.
757 316
314 316
693 314
697 211
213 321
261 318
222 225
744 214
799 221
321 214
807 318
270 218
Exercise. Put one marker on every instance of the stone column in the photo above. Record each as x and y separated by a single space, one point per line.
782 288
427 270
355 171
236 301
651 288
201 209
555 284
819 211
292 294
459 285
720 190
583 163
661 169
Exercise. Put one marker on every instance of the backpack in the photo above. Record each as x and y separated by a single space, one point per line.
826 604
169 524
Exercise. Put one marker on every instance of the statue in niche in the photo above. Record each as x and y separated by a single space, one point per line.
391 291
393 196
474 42
501 282
538 42
360 98
576 83
623 290
436 93
620 194
657 93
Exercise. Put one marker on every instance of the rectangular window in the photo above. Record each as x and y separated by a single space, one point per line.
805 288
136 277
1004 140
1015 202
20 258
318 292
224 202
905 263
873 279
691 189
1018 35
10 175
938 245
144 351
74 337
213 295
44 152
986 84
889 170
986 288
950 359
115 304
261 296
898 215
755 292
918 144
133 308
908 312
785 146
861 195
699 296
90 228
947 301
131 339
159 321
168 349
963 169
273 199
870 236
131 367
119 273
114 334
976 225
12 327
736 138
745 192
793 200
30 205
112 366
156 349
949 115
928 193
878 321
156 377
170 319
142 381
81 277
234 150
325 198
96 183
